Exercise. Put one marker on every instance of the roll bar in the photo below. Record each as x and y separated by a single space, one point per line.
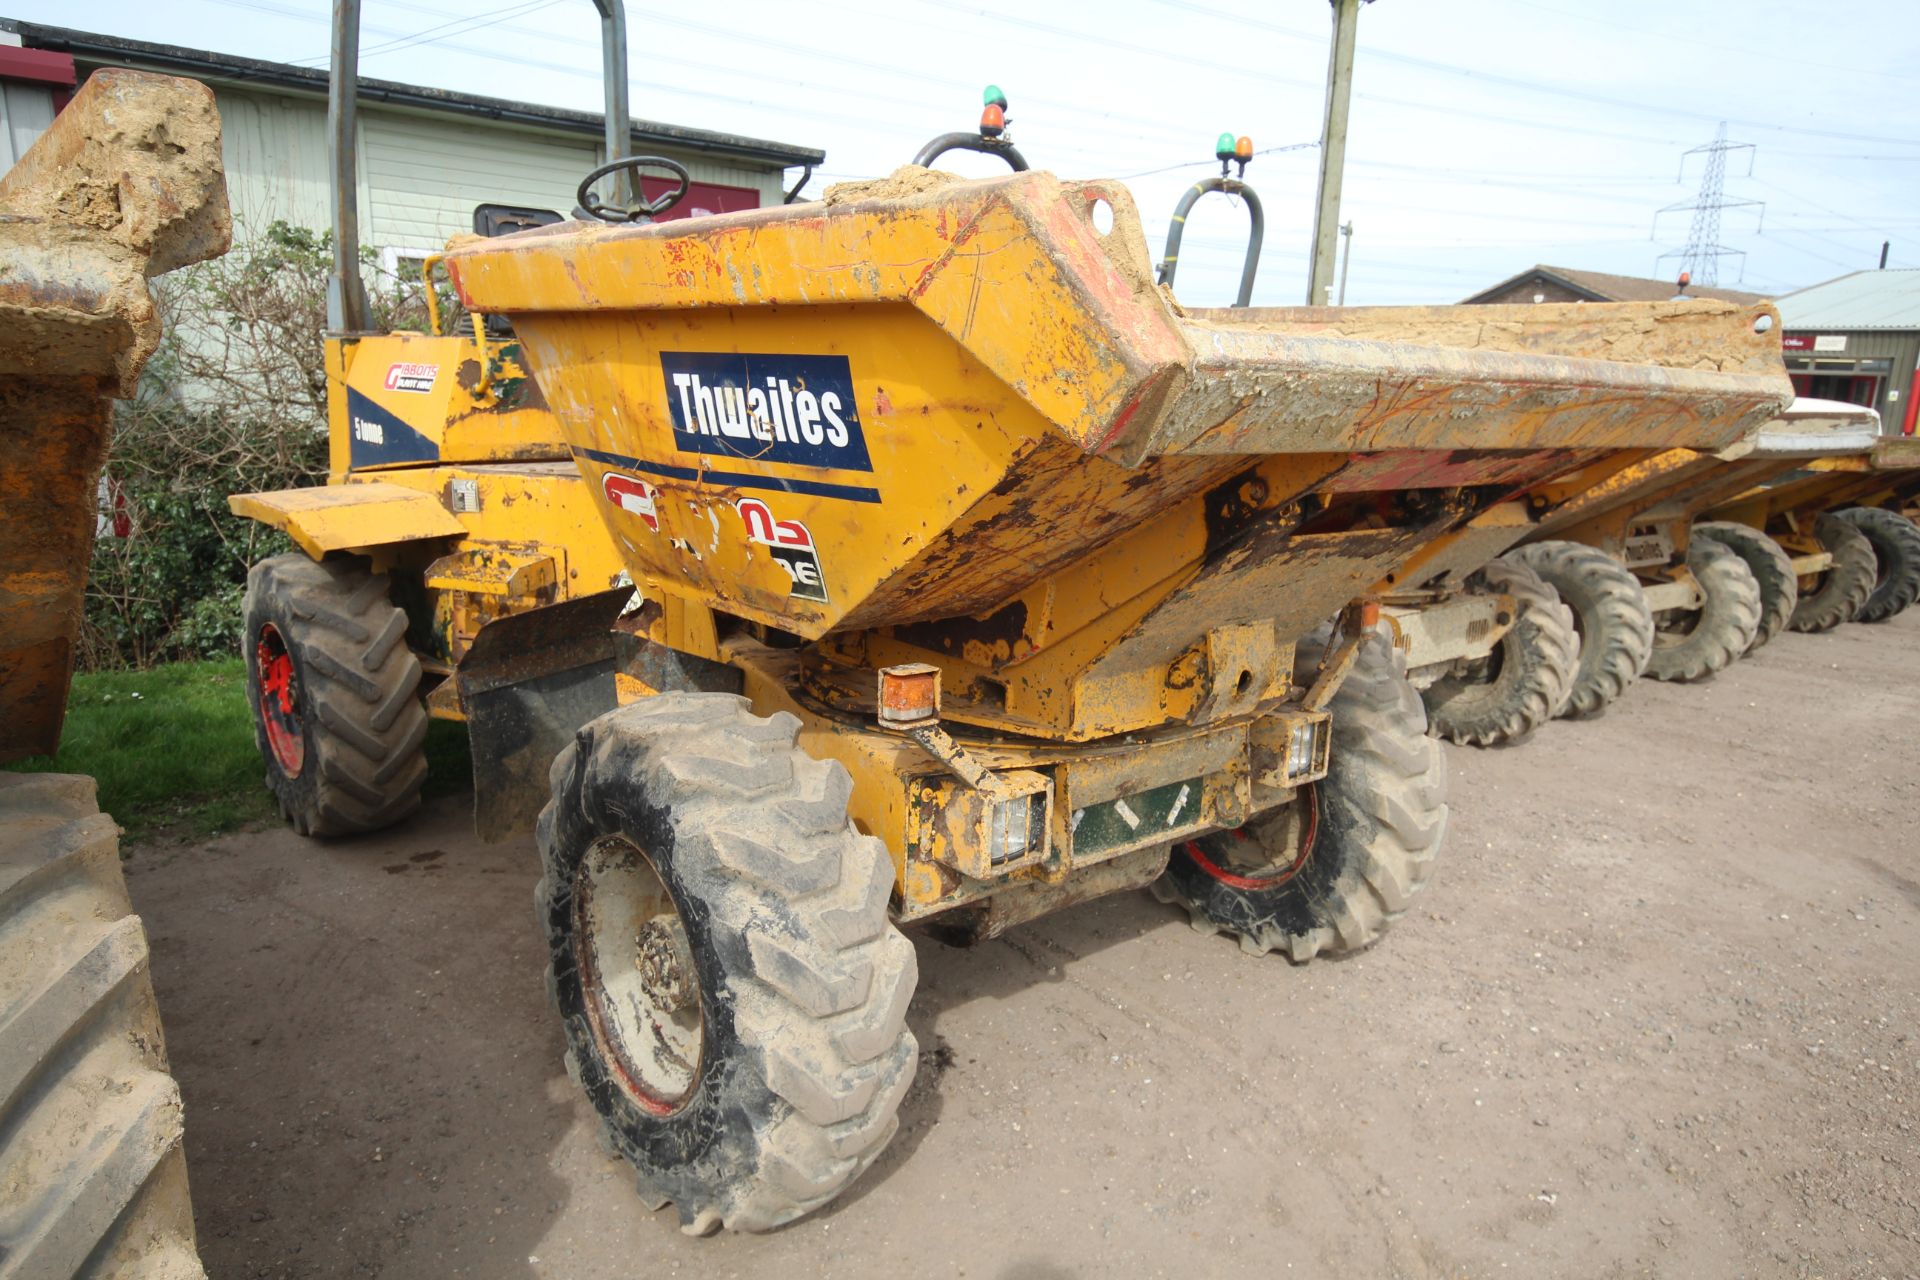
971 142
1227 150
991 140
347 311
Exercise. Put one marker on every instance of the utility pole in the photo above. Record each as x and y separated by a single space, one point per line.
1333 150
1346 259
347 310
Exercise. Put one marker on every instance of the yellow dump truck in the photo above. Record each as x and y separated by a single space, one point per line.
910 559
1837 520
1489 645
1502 637
127 183
1679 563
1616 539
975 579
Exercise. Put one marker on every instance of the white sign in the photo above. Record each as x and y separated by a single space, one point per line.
1830 342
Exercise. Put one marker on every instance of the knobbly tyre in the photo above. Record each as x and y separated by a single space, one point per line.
1611 541
1658 588
92 1162
1838 519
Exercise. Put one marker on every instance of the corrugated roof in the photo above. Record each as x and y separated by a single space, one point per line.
204 64
1863 300
1641 289
1603 286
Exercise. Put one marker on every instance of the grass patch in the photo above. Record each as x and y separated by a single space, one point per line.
172 749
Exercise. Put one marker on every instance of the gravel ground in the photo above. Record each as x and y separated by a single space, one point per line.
1655 1016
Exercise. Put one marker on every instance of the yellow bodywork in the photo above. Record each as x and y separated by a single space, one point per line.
1033 435
349 518
406 399
447 470
953 423
1789 502
959 426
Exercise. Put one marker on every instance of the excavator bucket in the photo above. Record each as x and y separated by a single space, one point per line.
125 185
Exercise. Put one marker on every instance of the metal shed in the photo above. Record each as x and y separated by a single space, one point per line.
1857 339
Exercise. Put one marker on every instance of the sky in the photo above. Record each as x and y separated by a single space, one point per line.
1487 135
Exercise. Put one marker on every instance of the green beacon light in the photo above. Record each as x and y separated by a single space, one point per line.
993 117
1228 149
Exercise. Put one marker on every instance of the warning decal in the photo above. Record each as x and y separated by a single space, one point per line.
792 548
635 497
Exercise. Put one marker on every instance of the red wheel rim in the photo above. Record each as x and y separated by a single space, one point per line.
1226 877
278 695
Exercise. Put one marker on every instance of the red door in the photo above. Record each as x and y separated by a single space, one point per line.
702 198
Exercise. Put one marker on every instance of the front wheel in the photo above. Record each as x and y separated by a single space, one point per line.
734 996
1523 683
1610 613
1837 593
1896 552
1770 566
335 695
1331 871
1692 644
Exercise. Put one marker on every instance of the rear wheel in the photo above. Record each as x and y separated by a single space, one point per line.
334 688
1523 683
1692 644
1770 566
733 993
1896 552
1609 612
92 1165
1837 593
1331 871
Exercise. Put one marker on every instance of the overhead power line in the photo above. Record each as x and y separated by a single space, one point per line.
1515 82
1195 164
436 34
1640 34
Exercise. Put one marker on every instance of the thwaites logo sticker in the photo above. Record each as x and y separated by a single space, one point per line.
412 377
636 497
773 408
792 548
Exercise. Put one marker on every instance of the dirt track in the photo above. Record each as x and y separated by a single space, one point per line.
1656 1016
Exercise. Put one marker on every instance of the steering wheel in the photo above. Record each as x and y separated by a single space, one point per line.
643 210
